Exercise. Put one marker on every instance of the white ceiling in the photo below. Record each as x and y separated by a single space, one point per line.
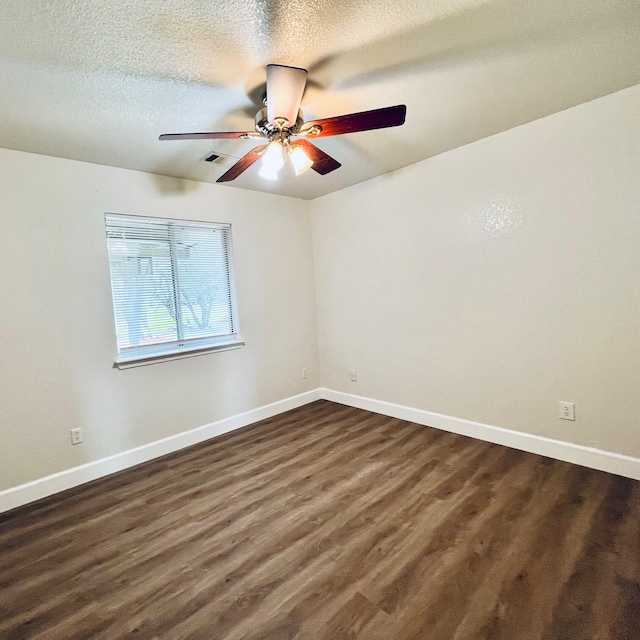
98 80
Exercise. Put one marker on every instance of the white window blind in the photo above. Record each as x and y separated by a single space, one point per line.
172 285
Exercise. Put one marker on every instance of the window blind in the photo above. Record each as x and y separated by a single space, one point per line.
172 284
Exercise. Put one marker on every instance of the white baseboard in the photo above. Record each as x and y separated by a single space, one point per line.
585 456
43 487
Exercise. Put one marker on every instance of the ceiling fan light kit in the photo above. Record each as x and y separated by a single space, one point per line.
273 157
282 119
299 159
268 173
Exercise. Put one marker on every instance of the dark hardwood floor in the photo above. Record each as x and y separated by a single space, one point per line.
329 522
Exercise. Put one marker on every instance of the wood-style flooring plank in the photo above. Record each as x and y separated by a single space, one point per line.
329 522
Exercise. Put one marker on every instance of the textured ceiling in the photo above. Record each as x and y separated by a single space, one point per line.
99 80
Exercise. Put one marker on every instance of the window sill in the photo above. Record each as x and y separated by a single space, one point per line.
141 360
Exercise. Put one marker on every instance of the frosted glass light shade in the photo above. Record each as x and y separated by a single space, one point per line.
268 173
300 160
273 157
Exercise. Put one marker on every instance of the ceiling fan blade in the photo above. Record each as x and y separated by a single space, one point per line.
285 86
352 122
243 164
209 136
322 162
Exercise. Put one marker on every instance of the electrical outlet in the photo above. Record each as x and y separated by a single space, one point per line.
76 436
566 410
304 372
352 375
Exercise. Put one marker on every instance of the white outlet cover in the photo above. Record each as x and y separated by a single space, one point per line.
353 376
566 410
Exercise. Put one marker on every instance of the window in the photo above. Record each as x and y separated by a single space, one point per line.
172 285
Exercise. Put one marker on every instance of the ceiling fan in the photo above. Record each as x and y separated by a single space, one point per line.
282 119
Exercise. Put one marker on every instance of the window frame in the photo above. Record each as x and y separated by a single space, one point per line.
182 347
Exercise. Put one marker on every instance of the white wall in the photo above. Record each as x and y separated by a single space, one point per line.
494 280
486 283
56 320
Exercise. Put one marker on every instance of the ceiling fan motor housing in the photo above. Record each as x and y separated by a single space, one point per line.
266 128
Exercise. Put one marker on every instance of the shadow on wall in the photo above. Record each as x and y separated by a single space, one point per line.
170 186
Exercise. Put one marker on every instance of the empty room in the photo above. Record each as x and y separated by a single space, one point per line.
321 320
